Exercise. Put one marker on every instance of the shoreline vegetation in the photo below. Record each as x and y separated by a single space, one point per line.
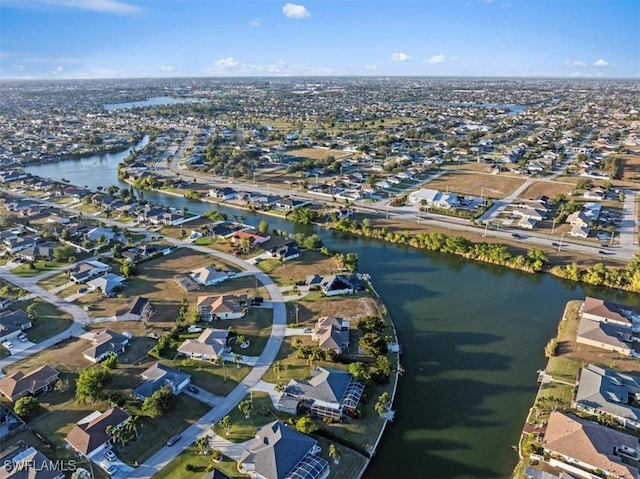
626 278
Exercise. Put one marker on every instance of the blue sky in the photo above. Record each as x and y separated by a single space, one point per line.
176 38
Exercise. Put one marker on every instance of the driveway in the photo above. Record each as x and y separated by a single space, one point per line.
204 397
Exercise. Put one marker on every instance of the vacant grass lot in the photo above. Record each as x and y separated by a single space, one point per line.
243 428
548 188
218 380
49 322
28 270
287 272
314 306
51 282
472 184
176 469
256 328
319 153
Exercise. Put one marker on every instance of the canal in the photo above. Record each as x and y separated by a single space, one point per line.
473 337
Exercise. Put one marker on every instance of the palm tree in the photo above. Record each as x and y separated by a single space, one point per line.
240 338
245 407
279 388
202 443
225 423
236 359
132 424
335 453
278 368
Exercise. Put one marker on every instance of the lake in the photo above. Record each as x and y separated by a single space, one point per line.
154 101
473 337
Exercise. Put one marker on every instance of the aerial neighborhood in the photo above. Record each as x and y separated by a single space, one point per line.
162 322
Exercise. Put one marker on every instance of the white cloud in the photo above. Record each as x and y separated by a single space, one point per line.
435 59
18 67
601 63
400 57
575 63
167 69
256 22
227 63
105 6
291 10
371 68
57 70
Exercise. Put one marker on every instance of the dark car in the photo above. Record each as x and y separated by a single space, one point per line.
257 301
82 290
516 235
193 389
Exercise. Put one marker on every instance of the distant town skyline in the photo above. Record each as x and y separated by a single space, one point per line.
74 39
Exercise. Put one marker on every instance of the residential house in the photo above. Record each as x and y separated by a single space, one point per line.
586 445
138 308
33 383
109 284
160 375
95 234
607 336
19 243
597 309
332 333
29 463
90 437
224 193
290 204
330 393
13 323
85 270
228 306
285 252
606 391
211 344
208 276
333 284
39 251
254 237
106 342
280 452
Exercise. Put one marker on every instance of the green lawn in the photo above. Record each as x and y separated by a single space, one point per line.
154 432
269 264
54 281
39 267
218 380
176 469
256 328
50 320
242 428
562 368
351 462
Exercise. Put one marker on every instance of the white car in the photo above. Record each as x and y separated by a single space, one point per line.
110 455
8 344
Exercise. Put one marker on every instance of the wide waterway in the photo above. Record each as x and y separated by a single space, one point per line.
473 337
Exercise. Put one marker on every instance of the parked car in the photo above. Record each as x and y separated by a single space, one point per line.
308 330
193 389
257 301
194 329
110 468
109 454
23 338
8 344
173 439
83 290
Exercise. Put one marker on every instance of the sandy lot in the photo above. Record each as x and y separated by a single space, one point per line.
470 183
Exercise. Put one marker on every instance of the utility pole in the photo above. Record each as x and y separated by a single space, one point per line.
560 244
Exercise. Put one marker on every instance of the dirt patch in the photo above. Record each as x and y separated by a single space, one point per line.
476 184
546 188
319 153
66 356
311 262
348 307
631 168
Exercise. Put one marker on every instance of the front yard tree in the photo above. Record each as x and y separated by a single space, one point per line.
63 253
371 324
245 407
202 443
91 383
359 371
128 269
278 368
32 311
305 425
263 226
26 406
372 344
335 453
225 424
111 362
158 403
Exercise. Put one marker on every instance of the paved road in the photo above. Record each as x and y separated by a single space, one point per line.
80 317
202 427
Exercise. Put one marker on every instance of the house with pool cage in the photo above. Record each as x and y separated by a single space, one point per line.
330 393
